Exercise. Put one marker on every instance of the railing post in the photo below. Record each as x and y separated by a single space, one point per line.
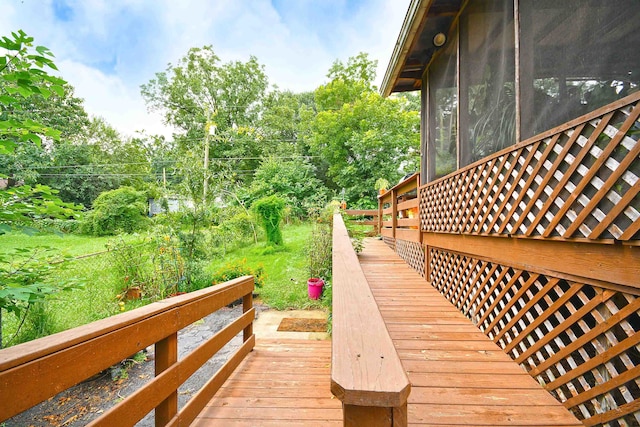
166 354
247 304
394 212
380 208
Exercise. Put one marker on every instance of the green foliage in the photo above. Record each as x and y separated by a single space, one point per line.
129 261
319 251
294 181
356 234
23 74
368 138
121 210
285 284
381 184
239 268
348 82
155 266
199 87
57 225
19 206
234 227
25 285
270 211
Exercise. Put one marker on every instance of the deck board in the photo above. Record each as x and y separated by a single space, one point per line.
281 382
458 376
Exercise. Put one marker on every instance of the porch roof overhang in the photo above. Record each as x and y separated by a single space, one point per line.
415 48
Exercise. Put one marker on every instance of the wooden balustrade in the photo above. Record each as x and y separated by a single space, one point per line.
370 217
37 370
398 211
366 373
538 245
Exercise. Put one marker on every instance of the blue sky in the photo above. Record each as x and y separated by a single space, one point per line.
107 48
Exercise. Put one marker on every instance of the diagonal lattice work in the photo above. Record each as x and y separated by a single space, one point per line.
581 182
412 253
389 241
579 341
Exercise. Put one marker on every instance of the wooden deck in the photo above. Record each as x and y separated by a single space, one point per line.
282 382
458 376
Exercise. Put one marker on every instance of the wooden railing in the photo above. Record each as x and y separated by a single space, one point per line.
538 245
364 217
35 371
398 211
398 216
366 373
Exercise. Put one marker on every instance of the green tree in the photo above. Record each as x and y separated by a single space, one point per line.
347 82
360 136
23 75
199 92
120 210
292 180
282 122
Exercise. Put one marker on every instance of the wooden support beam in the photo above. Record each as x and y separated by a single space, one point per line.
166 354
609 266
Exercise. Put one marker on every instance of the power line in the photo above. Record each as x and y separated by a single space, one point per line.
163 162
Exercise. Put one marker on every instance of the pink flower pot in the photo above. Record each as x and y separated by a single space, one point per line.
315 286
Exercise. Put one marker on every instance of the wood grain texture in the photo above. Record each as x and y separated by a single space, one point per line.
39 369
365 368
281 382
458 375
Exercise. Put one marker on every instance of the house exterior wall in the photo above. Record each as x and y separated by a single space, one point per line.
511 69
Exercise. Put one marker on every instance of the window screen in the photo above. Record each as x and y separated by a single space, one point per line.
487 76
575 56
443 108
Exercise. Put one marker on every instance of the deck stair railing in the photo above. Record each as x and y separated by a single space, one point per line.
366 373
539 245
37 370
399 221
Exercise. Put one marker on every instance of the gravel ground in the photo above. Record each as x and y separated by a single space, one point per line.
84 402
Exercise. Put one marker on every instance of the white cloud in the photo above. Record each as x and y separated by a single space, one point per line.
107 97
107 49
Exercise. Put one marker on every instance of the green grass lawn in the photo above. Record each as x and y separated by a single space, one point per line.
286 270
67 244
285 282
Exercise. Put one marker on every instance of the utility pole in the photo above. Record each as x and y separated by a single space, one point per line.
207 129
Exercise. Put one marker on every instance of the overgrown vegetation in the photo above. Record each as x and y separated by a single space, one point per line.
116 211
270 157
270 211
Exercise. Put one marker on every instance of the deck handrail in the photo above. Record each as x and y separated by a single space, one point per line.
400 218
364 217
366 372
37 370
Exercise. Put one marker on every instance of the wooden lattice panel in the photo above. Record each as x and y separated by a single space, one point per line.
579 183
389 241
579 341
412 253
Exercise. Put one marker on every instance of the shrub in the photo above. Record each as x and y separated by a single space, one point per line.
319 251
55 224
239 268
120 210
270 211
293 180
